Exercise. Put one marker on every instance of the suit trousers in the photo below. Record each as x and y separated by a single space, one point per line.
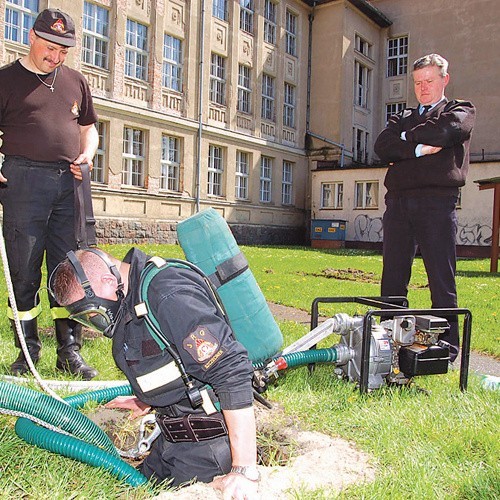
429 224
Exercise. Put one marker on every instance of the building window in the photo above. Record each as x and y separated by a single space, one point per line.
134 148
360 145
170 163
244 89
291 34
362 46
98 170
215 170
95 44
266 171
217 79
270 22
392 109
172 63
246 15
363 75
19 18
289 106
287 183
366 195
219 9
267 111
397 56
136 46
332 195
242 171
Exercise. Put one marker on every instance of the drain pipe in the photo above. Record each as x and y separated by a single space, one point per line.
200 105
309 65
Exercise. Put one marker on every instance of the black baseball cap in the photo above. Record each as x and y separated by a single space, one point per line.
55 26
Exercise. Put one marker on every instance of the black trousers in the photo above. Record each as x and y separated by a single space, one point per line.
38 218
429 223
183 462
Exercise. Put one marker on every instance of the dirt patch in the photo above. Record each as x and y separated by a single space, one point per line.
296 460
348 275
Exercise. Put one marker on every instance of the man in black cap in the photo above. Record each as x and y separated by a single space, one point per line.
47 122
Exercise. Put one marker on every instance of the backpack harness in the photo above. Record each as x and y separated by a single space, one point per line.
197 397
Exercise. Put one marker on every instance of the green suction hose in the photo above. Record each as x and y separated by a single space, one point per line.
100 396
91 444
293 359
76 449
328 355
23 400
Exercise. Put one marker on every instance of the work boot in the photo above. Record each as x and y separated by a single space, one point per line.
30 332
69 343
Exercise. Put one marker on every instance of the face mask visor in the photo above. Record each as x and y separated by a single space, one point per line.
98 314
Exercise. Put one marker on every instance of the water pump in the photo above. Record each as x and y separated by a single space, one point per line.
402 344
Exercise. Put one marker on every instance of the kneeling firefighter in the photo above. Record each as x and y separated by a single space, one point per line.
173 343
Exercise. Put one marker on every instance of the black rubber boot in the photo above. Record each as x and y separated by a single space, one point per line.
30 332
69 343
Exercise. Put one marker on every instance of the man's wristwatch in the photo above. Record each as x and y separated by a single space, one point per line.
249 471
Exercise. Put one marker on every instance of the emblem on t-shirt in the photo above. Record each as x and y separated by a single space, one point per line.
75 109
201 344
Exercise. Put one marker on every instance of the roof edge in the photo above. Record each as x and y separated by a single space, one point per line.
372 12
363 6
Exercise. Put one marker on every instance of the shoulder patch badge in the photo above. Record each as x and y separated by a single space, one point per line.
202 346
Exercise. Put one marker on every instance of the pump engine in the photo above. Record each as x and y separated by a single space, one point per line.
400 349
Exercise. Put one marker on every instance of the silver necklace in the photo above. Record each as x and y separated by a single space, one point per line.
51 85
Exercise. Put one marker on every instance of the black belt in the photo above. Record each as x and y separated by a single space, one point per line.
191 428
54 165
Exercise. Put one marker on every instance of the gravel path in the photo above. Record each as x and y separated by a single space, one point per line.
479 363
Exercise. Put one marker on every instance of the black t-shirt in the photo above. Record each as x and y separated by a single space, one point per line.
39 124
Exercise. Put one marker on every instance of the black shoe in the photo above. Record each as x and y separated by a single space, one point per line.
76 365
20 365
69 341
29 330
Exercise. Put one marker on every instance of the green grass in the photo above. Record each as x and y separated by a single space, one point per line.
426 441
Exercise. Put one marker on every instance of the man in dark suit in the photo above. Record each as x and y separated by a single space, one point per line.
427 151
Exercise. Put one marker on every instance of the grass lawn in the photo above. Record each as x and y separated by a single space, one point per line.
426 441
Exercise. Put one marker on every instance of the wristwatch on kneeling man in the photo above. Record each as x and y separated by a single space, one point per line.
249 471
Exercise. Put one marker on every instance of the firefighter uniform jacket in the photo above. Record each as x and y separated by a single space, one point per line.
189 317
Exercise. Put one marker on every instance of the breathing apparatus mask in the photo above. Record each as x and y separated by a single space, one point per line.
93 311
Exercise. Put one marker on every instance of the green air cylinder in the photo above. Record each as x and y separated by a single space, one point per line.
208 243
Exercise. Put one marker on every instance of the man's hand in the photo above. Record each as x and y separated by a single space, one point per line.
75 166
237 487
430 150
2 178
138 408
